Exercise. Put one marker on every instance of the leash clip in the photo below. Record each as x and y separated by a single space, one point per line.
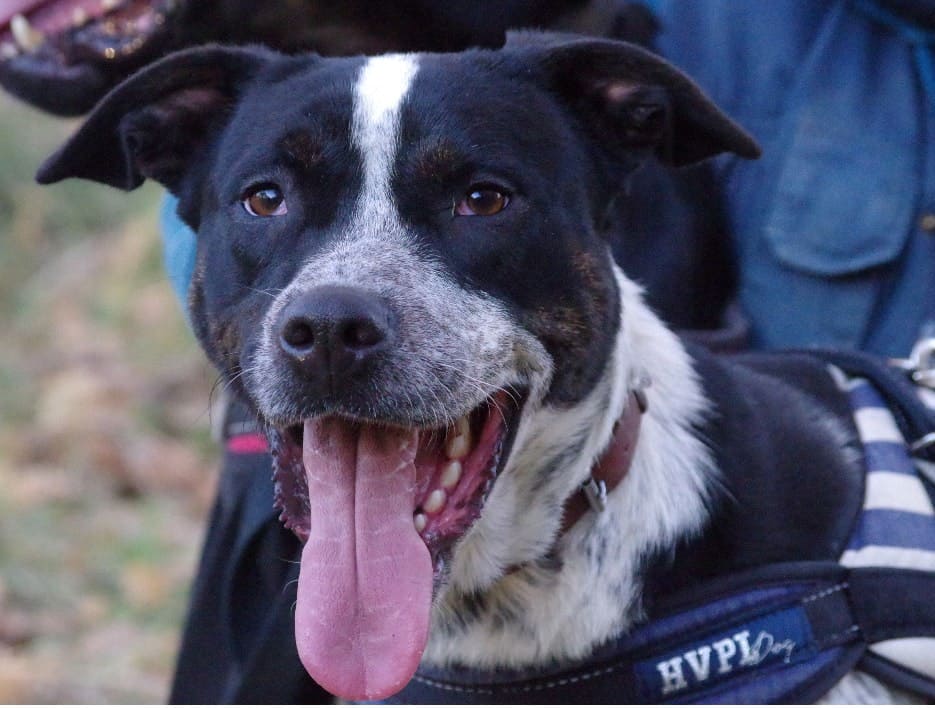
920 366
595 491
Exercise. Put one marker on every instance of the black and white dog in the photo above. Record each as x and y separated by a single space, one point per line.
403 264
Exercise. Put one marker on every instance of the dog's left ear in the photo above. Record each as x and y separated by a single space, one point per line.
633 99
154 123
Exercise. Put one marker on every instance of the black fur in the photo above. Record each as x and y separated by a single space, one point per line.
792 491
209 123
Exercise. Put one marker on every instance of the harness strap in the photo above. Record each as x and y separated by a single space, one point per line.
914 419
241 432
786 632
908 609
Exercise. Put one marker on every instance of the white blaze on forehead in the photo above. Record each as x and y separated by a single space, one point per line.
381 87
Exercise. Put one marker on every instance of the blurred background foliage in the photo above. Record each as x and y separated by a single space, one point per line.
107 468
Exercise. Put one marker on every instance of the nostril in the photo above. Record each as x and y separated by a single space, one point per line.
298 333
332 332
360 333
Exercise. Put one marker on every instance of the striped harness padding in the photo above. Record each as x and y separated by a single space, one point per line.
896 528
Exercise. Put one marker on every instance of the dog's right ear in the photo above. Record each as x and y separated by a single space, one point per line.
152 124
632 99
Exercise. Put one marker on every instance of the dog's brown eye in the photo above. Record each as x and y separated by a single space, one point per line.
265 200
482 201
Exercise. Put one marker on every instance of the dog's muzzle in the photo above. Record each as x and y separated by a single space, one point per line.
379 497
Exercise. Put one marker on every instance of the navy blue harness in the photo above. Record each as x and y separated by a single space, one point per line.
784 632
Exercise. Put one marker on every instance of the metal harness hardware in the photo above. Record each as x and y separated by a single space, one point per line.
920 368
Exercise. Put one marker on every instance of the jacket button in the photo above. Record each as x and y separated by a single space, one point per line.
927 223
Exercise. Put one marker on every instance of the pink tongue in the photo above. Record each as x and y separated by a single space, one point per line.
365 585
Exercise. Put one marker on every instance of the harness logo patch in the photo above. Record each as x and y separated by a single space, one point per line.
776 638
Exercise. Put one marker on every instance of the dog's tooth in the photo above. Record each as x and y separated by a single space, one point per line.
419 520
435 502
8 50
79 16
458 446
451 474
26 36
464 427
108 5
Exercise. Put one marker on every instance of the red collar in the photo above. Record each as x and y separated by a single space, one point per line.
608 472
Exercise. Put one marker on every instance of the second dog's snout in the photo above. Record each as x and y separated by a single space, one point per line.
331 331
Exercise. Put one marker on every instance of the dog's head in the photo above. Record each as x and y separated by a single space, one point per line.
399 263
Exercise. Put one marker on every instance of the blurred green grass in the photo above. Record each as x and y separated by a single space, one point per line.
106 463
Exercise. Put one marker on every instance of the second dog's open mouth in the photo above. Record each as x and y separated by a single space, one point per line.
77 29
63 54
379 509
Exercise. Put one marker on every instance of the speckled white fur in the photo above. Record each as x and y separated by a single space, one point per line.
566 613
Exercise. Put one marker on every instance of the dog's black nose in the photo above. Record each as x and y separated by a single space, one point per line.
332 332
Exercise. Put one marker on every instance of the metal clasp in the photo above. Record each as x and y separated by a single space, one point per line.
920 366
596 493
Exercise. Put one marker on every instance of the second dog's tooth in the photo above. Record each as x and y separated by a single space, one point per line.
419 521
25 35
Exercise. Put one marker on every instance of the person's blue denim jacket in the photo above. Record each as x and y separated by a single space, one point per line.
178 250
828 224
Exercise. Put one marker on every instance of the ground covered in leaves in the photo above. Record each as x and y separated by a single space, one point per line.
107 468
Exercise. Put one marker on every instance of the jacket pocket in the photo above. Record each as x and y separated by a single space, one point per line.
844 201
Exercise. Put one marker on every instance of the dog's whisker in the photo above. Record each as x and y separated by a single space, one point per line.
486 389
271 293
442 415
439 413
226 383
482 385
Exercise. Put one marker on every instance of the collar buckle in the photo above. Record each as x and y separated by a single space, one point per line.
595 491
